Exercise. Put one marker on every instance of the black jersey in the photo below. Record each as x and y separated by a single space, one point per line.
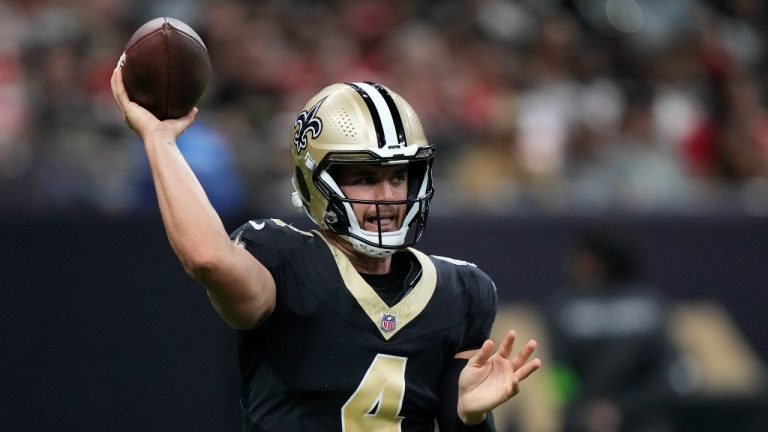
333 356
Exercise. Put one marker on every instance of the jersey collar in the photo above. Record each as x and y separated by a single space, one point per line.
388 320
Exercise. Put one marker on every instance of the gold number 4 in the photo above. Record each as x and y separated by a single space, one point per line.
375 405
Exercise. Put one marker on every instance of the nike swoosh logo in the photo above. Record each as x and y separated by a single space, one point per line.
257 225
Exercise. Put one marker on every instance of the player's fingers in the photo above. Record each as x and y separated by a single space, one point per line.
117 82
505 349
522 357
527 369
118 90
114 83
483 354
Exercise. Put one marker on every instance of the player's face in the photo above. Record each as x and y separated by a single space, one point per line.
375 182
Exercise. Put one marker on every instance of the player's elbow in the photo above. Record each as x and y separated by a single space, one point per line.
236 319
241 313
202 265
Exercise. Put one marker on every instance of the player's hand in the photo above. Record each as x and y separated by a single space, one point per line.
143 122
489 379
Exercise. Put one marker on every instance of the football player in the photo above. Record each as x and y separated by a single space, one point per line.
347 327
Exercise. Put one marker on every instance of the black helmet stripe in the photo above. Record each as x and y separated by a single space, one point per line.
386 117
393 110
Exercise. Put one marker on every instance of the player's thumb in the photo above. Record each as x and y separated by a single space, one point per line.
183 123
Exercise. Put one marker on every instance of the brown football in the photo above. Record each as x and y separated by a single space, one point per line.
166 67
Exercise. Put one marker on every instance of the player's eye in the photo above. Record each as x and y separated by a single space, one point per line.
399 178
363 180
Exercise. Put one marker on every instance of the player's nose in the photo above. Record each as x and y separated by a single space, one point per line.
384 191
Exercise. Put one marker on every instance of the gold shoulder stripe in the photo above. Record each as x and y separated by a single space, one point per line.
279 222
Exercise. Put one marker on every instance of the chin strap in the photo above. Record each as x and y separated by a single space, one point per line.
366 249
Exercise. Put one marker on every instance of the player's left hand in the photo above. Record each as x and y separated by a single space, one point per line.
489 379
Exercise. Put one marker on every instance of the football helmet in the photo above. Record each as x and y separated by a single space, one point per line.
360 123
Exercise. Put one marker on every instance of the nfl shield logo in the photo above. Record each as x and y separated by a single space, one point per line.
388 323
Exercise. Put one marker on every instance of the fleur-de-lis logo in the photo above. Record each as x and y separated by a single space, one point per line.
306 122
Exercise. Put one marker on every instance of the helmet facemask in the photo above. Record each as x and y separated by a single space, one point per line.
341 218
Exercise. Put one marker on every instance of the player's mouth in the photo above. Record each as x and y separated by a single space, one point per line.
387 222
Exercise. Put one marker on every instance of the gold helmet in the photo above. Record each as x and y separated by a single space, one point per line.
360 123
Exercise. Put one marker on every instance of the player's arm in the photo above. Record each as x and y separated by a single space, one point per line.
241 289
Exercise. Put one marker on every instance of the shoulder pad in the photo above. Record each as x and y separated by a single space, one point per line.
464 274
454 261
269 232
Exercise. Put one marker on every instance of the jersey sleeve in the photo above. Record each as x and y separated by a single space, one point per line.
477 292
267 240
482 302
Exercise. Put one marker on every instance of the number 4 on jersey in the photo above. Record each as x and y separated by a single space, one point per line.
375 405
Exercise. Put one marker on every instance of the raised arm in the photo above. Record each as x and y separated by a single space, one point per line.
240 288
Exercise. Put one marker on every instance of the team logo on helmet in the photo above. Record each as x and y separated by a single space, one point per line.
306 122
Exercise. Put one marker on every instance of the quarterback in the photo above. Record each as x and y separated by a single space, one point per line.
347 327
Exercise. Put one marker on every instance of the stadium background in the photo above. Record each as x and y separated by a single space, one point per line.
550 116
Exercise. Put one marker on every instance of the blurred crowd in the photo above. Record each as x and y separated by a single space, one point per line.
535 105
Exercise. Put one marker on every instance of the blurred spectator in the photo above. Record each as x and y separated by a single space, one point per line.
731 144
548 103
14 110
489 176
646 173
612 357
535 82
212 160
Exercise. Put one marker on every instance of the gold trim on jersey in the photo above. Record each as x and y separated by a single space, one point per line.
280 223
408 308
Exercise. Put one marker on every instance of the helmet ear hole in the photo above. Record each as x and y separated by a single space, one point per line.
302 185
330 217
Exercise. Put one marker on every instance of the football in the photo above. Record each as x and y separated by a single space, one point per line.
166 67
